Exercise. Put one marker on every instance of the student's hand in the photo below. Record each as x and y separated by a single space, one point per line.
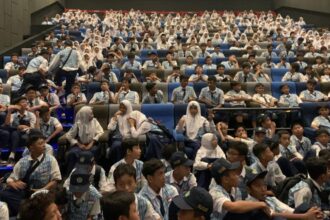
81 146
17 185
131 121
22 127
13 107
313 213
209 166
181 122
118 113
37 114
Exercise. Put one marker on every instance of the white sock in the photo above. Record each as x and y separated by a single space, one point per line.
12 155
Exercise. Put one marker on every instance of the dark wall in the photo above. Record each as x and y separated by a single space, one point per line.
50 11
171 5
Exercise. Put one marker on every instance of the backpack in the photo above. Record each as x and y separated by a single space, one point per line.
281 190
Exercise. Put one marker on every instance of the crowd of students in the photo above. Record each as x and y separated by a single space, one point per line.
219 171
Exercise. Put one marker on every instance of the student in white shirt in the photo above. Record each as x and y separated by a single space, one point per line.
265 100
326 75
322 141
312 95
13 64
124 93
83 136
323 119
294 75
76 97
104 97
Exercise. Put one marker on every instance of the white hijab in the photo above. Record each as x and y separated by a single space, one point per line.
193 123
210 151
122 119
139 118
84 120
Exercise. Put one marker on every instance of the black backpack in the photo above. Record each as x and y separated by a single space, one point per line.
97 177
281 190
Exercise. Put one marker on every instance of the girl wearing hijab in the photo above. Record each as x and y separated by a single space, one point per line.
193 125
119 129
83 136
209 150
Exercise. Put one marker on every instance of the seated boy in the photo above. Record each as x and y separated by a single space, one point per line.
76 97
104 97
322 141
312 95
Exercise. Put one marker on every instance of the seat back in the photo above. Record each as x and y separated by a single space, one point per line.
164 113
101 113
92 88
198 87
250 88
277 74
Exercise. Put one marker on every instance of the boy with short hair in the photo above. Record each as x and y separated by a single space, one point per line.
312 95
212 96
265 162
287 149
184 93
308 191
154 96
181 177
323 119
236 96
104 97
258 192
287 98
50 98
125 180
76 97
302 143
157 191
124 93
322 141
226 196
132 151
119 205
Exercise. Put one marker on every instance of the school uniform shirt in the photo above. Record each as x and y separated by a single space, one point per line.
268 65
274 173
267 54
274 204
137 164
167 165
146 210
228 65
325 78
72 61
81 96
311 55
28 118
216 96
51 99
101 97
303 146
186 66
209 67
317 147
173 79
182 53
241 77
234 94
291 99
223 77
264 98
151 65
47 171
217 55
15 82
84 136
315 95
103 184
87 205
166 194
156 99
181 95
136 65
301 193
220 196
129 95
301 64
185 185
169 66
111 78
293 77
11 66
290 152
321 121
37 63
201 54
4 99
4 212
48 128
285 65
195 76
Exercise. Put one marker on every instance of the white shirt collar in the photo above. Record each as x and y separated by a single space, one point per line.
172 180
152 193
38 158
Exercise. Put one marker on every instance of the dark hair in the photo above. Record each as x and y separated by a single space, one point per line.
35 208
126 79
43 110
151 166
258 149
234 83
116 204
316 167
297 123
128 144
282 132
240 147
281 87
168 150
220 65
295 66
131 56
246 64
105 81
259 85
75 85
321 131
269 46
14 55
124 169
212 78
34 137
183 77
149 86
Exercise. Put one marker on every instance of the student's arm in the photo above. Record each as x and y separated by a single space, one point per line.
312 213
315 124
199 164
181 124
304 195
243 206
58 129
